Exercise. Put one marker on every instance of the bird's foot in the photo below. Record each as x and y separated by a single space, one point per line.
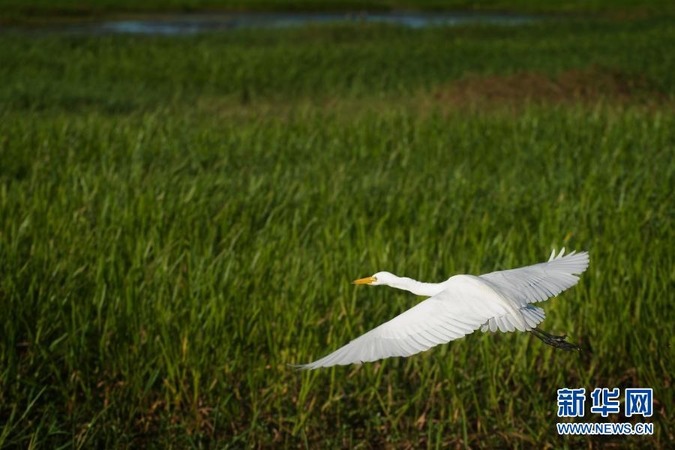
555 341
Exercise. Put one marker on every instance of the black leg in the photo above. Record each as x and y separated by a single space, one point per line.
554 341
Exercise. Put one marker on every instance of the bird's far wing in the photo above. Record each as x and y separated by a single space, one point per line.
540 281
451 314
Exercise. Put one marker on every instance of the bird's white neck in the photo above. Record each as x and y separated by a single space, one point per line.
416 287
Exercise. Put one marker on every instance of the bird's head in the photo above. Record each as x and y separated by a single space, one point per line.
380 278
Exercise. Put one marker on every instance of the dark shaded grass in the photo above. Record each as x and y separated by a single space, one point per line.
123 74
27 10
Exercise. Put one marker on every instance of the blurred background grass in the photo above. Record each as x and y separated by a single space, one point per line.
180 219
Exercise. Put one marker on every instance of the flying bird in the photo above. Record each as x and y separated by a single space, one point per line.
501 300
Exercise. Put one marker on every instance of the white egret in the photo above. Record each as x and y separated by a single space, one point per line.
499 300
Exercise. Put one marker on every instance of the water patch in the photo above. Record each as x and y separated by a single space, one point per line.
185 24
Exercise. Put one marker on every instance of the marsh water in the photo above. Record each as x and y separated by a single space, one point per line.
181 24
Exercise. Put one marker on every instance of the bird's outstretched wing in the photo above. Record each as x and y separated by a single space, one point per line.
459 310
538 282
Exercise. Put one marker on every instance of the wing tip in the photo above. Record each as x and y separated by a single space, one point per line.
561 254
581 258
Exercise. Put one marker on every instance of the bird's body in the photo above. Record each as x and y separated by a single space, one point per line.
460 305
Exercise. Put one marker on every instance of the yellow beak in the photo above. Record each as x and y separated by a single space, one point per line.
366 280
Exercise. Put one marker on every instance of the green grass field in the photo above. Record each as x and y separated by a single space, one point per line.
180 219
